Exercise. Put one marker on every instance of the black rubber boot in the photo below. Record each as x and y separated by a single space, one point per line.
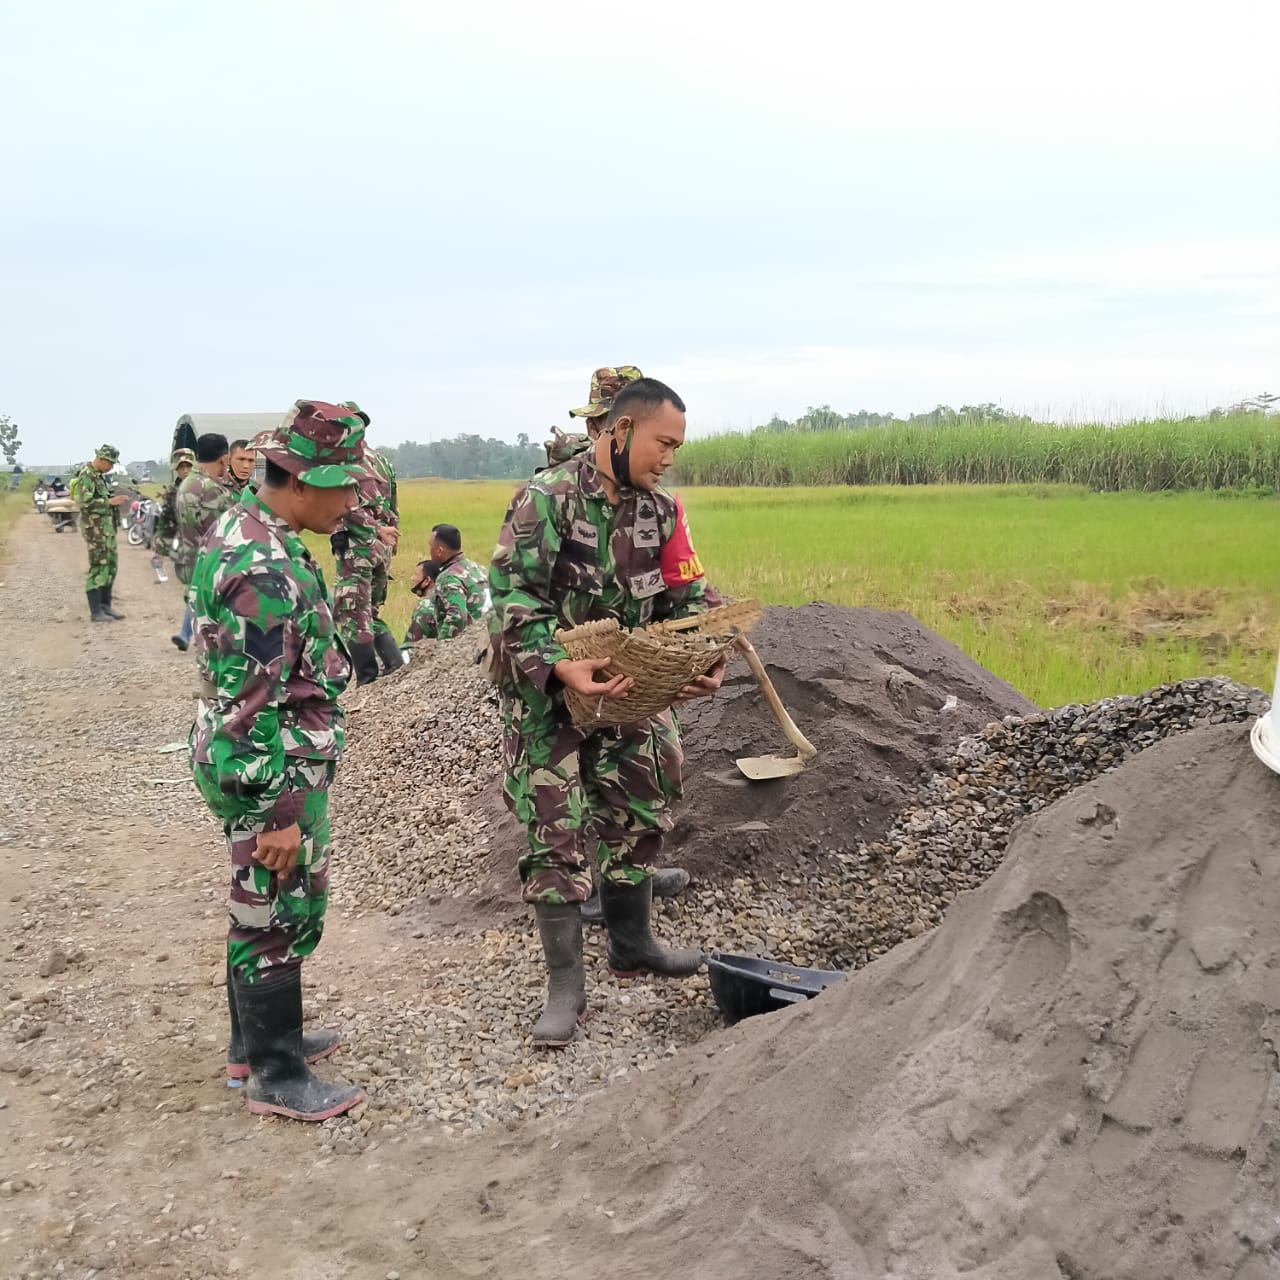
560 928
315 1044
633 949
105 594
365 661
280 1083
384 645
96 612
669 882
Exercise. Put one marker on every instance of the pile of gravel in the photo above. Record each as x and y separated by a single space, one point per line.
422 744
414 834
955 832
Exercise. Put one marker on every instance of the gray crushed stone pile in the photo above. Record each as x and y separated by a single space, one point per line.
416 834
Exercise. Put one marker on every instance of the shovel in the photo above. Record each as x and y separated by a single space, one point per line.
762 768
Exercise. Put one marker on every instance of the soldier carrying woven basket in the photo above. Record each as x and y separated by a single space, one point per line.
594 538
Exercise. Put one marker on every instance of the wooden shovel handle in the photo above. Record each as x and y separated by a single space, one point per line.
794 736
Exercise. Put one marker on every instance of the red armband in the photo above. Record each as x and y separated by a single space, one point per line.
680 563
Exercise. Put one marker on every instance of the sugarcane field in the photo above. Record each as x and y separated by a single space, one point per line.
747 752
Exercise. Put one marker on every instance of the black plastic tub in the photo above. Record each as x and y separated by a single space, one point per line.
747 985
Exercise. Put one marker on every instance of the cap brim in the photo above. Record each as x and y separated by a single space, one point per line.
592 410
332 475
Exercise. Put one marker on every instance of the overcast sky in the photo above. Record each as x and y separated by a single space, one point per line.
452 213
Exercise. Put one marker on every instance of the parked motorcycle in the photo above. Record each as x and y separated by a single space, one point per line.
143 513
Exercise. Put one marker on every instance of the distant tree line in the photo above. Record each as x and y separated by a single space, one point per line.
468 457
824 418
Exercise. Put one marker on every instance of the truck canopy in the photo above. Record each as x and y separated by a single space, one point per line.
235 426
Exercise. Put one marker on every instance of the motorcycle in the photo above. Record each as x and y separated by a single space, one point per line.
143 513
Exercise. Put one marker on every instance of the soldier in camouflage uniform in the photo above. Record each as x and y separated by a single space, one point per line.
668 882
460 595
166 534
362 550
98 523
605 384
201 499
241 463
596 537
266 742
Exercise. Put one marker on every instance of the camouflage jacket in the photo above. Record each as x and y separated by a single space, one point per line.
167 520
562 446
92 494
378 505
458 599
270 660
201 500
566 555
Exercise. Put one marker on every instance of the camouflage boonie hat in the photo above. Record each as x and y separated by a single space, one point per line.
183 455
108 452
605 384
322 444
356 409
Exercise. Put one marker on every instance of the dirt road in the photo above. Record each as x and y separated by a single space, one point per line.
122 1151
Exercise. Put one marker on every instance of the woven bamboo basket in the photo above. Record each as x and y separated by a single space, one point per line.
661 658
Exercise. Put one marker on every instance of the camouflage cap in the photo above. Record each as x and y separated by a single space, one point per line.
356 409
181 456
605 384
108 453
322 444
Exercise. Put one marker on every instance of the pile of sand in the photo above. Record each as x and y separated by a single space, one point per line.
1075 1076
881 697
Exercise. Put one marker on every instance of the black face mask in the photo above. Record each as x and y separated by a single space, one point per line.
620 459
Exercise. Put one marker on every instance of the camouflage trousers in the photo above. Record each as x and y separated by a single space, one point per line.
103 558
359 591
274 919
607 791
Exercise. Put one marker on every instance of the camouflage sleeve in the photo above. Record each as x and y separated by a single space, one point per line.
167 520
451 612
90 497
186 512
393 498
255 643
423 624
525 614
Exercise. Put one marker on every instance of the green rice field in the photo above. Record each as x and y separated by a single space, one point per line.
1068 593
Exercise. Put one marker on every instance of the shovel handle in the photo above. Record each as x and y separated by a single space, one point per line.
787 724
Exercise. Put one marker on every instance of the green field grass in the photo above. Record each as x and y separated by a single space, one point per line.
1233 451
1068 594
14 503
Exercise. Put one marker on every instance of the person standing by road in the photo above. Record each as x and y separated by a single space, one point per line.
596 537
166 534
362 550
266 742
98 522
460 593
202 497
668 882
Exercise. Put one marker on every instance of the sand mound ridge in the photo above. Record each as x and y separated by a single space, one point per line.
1075 1076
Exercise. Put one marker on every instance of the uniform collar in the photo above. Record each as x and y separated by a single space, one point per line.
254 504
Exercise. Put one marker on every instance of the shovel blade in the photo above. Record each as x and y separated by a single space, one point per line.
762 768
